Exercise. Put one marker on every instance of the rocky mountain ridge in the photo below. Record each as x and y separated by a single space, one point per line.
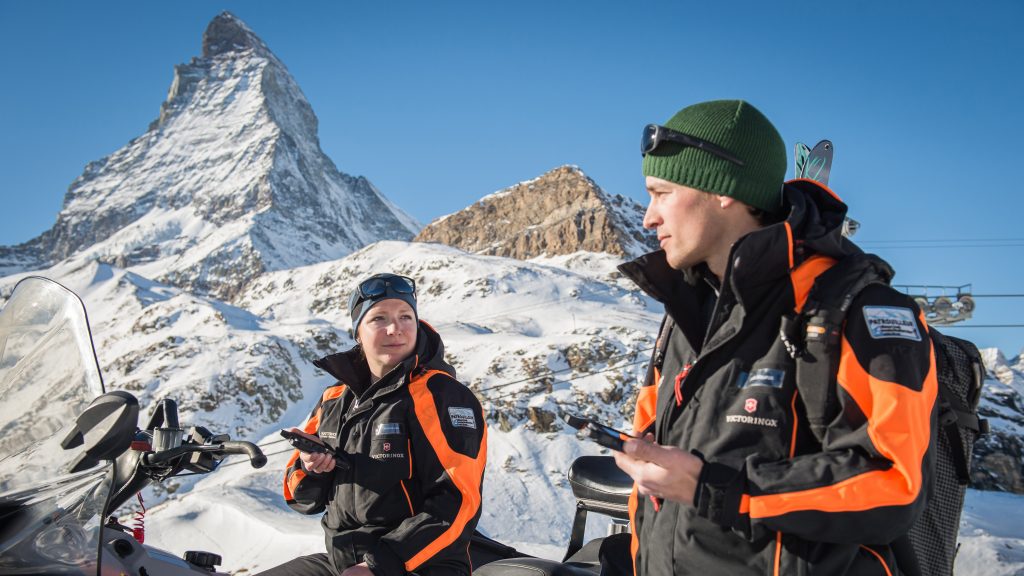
561 212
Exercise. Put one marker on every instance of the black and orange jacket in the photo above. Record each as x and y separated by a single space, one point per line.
416 442
771 498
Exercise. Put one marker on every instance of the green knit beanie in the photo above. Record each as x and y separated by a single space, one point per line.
742 130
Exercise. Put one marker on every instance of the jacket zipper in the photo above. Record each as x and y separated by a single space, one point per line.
680 378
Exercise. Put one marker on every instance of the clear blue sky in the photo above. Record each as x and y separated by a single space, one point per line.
440 103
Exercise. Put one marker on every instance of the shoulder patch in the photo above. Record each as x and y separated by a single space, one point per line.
462 417
891 322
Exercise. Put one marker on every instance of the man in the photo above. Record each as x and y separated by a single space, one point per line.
730 478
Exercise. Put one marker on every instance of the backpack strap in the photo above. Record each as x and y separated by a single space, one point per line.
821 325
954 412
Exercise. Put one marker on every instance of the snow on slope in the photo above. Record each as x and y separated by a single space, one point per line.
991 535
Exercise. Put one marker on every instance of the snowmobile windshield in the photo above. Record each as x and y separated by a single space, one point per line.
49 518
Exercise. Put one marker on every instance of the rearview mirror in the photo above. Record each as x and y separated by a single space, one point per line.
106 429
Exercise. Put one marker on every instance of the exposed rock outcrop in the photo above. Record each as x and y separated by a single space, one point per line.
561 212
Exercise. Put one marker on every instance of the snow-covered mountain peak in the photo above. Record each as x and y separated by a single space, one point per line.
228 183
226 34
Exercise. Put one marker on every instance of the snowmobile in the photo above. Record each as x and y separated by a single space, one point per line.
71 454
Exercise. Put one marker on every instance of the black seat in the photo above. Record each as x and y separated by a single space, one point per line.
601 486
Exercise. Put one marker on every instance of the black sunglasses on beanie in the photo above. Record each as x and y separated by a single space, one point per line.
380 287
654 135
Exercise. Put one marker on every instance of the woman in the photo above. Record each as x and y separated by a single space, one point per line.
402 487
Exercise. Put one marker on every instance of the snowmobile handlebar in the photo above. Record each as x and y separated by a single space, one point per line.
256 457
201 453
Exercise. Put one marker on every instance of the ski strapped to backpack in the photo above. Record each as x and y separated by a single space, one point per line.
813 338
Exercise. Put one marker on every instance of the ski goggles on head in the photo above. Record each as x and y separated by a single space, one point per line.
654 135
375 287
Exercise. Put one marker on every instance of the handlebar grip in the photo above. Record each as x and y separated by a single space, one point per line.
256 456
158 458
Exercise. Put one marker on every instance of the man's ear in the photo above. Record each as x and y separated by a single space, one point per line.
725 201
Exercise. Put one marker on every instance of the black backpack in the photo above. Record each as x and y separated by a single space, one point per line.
813 339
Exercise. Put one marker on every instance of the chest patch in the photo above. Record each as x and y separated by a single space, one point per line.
771 377
891 322
388 429
462 417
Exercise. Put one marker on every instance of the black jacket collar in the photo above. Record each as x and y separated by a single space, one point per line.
350 367
758 260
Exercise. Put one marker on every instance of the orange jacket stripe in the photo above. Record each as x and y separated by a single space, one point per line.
778 554
789 242
745 499
312 426
407 499
293 479
805 274
643 418
880 560
895 415
634 540
646 405
332 393
465 472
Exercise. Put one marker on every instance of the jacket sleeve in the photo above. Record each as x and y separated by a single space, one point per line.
868 483
448 436
304 491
